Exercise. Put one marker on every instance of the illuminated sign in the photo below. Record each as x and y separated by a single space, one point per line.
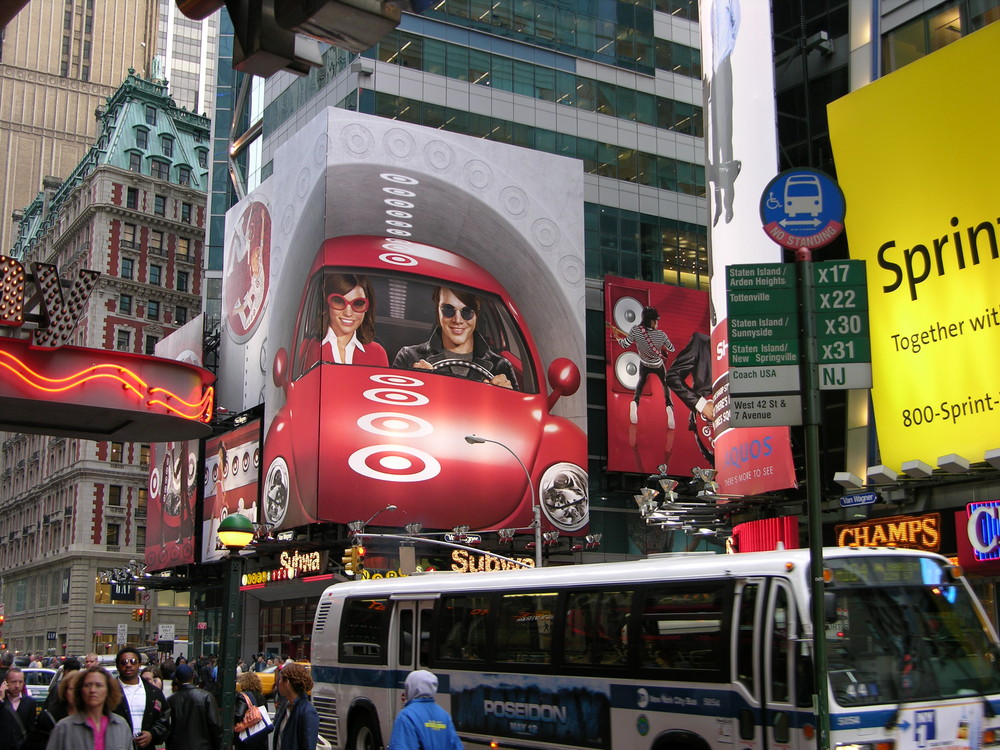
911 532
58 315
294 564
983 529
929 236
471 562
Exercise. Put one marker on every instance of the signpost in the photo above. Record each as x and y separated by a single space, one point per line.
859 498
165 632
122 634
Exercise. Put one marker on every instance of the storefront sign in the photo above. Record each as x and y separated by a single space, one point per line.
911 532
983 529
471 562
294 564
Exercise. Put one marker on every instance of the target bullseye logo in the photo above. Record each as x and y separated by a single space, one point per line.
397 380
154 482
398 259
395 397
394 463
395 424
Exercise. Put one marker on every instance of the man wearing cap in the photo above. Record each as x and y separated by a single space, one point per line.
195 720
423 724
143 704
652 344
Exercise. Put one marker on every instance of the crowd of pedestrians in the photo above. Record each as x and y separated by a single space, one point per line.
174 705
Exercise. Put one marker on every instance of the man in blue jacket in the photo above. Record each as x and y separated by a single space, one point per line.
423 723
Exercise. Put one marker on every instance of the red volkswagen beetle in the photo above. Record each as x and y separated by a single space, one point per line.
351 438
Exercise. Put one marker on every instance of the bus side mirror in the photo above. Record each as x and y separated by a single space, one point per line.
829 606
564 378
279 370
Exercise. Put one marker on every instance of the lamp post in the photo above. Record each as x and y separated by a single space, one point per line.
235 532
535 509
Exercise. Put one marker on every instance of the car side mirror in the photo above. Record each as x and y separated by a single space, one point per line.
564 378
279 370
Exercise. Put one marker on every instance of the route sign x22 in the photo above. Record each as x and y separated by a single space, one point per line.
843 349
802 208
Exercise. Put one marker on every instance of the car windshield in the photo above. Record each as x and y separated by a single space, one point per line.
904 632
406 314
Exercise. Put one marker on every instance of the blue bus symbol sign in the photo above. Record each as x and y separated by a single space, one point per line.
802 208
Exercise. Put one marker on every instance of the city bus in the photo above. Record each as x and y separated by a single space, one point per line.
673 652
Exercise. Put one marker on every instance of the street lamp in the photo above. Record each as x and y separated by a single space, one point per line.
235 532
535 509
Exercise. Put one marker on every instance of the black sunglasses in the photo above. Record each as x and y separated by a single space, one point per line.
448 311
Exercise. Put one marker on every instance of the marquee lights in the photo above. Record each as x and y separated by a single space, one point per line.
130 381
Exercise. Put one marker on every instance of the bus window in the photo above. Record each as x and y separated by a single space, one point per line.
405 637
596 627
363 631
462 626
524 628
780 646
746 667
681 628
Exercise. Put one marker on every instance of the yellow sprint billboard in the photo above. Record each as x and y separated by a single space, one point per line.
917 158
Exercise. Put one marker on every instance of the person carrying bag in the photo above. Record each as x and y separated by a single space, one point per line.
252 725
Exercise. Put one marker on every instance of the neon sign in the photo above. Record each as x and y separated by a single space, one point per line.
58 315
983 529
910 532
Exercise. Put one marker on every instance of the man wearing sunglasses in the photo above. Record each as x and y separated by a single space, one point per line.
143 704
454 346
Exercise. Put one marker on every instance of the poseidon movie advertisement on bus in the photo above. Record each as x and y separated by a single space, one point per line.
927 231
408 305
740 161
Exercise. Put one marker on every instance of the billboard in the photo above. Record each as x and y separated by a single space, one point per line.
927 229
232 479
413 287
659 377
170 511
740 162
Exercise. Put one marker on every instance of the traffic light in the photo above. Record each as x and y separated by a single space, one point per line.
138 615
353 560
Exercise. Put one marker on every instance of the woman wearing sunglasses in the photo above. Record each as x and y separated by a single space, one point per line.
348 320
454 346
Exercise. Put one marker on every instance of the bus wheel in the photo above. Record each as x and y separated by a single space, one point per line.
363 735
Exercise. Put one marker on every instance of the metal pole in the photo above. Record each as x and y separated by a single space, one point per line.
813 496
231 641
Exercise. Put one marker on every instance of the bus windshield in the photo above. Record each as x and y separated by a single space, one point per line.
904 632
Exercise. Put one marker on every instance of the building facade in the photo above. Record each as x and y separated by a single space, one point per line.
74 511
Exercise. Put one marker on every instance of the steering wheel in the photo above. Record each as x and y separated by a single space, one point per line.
465 367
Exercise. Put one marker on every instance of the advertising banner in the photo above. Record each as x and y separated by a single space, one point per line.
232 478
741 161
659 377
170 511
927 227
392 290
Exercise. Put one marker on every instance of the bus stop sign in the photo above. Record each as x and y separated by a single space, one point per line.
802 208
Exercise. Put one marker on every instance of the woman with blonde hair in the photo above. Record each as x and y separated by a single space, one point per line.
250 692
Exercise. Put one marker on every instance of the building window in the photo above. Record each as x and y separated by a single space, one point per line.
115 495
128 235
141 138
151 344
921 36
128 268
182 281
144 456
160 205
160 170
150 114
140 500
125 304
186 213
180 315
114 535
183 251
132 198
203 158
184 175
124 341
156 242
153 310
117 453
156 274
167 145
135 162
140 538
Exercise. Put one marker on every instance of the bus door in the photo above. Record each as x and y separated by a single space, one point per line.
747 654
411 638
783 723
